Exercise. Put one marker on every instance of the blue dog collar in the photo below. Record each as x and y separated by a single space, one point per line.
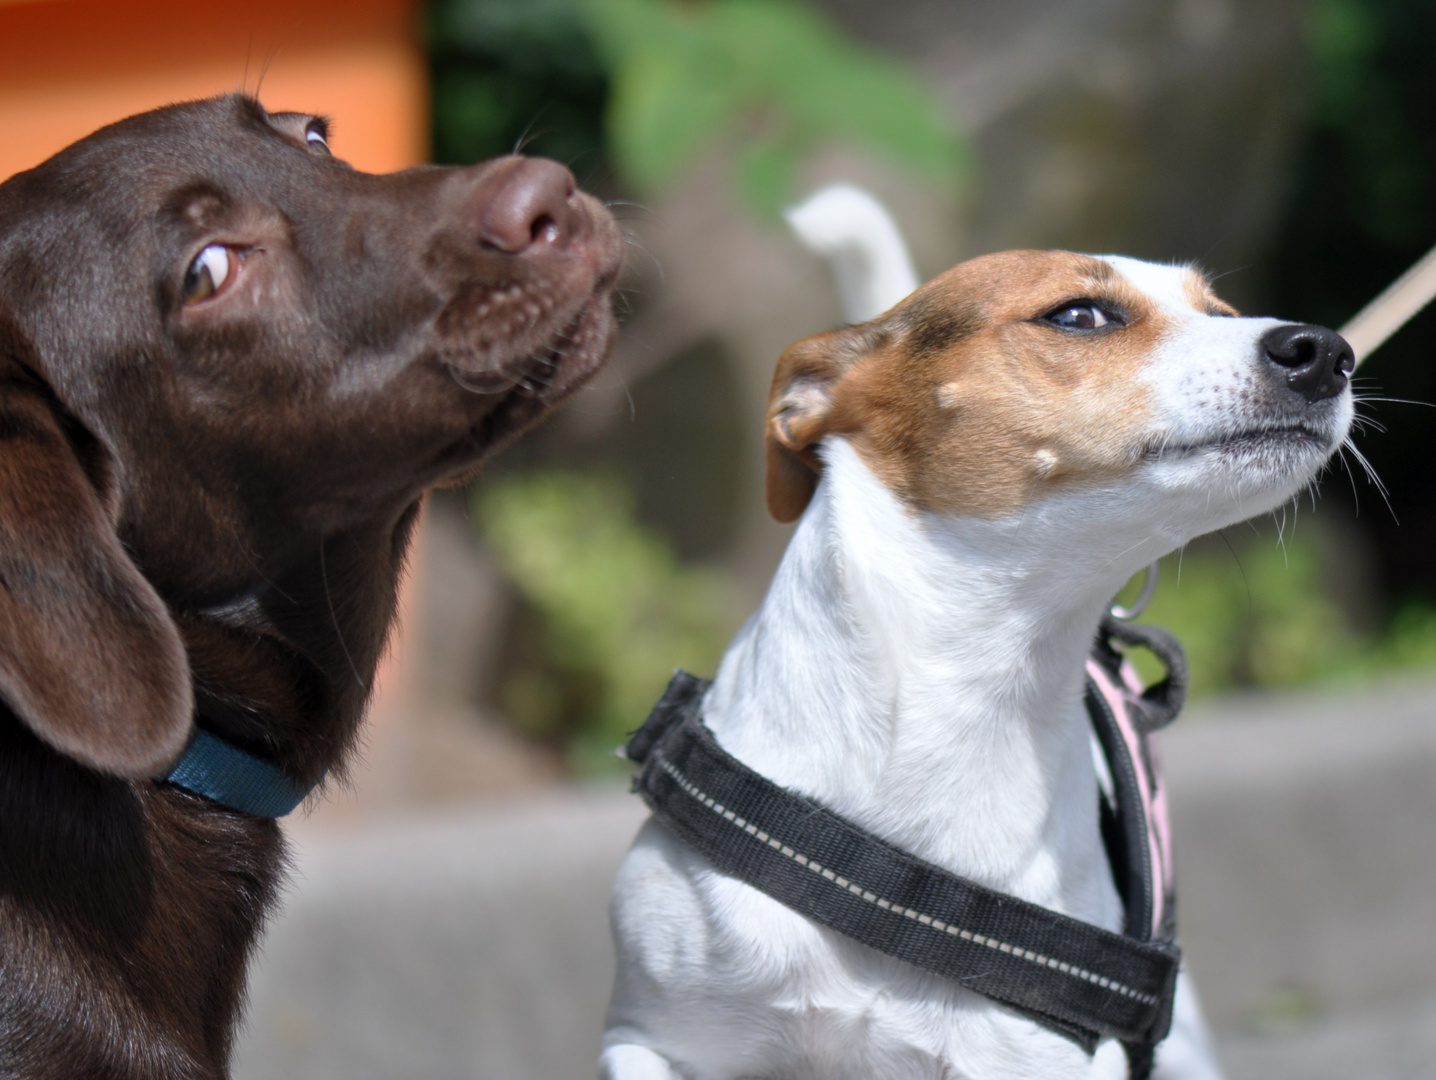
231 777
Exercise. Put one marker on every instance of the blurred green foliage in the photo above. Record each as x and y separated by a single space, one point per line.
1263 618
1257 619
773 74
651 84
1361 209
510 74
1360 101
616 611
632 92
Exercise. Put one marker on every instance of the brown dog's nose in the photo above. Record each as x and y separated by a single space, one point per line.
1315 360
530 208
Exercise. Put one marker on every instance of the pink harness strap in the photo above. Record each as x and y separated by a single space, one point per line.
1136 824
1150 788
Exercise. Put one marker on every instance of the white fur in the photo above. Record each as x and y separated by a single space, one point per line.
863 245
922 675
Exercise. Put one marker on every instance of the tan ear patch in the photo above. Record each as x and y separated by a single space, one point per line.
789 482
800 414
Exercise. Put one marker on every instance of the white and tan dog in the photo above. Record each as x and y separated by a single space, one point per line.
978 471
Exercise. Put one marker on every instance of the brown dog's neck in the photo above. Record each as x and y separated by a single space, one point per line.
165 902
131 909
285 672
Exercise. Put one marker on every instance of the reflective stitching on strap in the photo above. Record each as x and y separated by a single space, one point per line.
691 783
777 845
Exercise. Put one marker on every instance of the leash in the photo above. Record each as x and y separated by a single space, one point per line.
1399 302
234 778
1081 981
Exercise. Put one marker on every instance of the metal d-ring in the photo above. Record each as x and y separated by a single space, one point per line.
1139 605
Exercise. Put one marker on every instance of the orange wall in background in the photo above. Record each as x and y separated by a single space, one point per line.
68 67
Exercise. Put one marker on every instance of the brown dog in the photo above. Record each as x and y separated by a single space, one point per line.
229 367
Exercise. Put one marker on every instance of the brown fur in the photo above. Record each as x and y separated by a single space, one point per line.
204 510
1198 290
961 400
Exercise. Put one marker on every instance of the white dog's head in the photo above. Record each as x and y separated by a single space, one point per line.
1024 377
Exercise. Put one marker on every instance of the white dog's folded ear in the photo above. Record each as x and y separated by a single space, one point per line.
90 660
801 411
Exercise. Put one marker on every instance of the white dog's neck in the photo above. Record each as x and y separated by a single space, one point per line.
924 677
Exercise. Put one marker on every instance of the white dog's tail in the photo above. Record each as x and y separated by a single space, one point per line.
862 244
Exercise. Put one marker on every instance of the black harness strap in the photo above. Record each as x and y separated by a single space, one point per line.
1077 979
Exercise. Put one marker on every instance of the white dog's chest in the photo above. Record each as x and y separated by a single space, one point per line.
750 989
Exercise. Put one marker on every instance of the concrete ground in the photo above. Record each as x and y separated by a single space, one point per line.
474 943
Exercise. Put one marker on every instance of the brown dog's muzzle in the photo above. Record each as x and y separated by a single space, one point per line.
534 319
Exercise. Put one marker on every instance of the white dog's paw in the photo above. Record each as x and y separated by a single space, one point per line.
628 1061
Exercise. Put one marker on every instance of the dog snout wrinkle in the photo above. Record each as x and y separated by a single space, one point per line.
530 209
1315 361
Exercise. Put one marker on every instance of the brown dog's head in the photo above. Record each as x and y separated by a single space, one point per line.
226 359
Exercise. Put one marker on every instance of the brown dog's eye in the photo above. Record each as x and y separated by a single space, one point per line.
1081 316
316 137
208 273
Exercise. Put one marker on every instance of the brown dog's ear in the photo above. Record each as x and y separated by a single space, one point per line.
90 659
800 413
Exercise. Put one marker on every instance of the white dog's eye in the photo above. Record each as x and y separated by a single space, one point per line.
208 273
1078 317
314 136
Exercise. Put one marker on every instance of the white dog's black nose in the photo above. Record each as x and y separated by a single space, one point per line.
1313 360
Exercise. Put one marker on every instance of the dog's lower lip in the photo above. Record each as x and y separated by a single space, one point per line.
484 382
527 376
1237 439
